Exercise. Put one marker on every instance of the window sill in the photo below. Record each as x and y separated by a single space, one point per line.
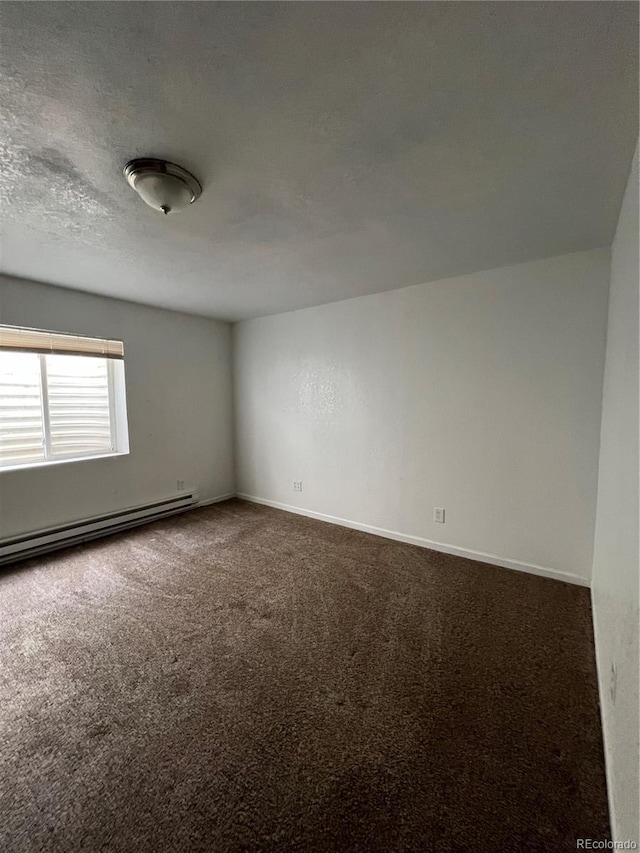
46 463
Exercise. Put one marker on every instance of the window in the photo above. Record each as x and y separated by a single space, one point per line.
62 397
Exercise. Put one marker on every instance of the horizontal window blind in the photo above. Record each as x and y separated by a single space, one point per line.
33 340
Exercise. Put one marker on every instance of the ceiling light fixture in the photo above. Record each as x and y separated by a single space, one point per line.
163 186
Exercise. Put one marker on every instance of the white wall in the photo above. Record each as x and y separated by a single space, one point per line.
480 394
615 566
178 375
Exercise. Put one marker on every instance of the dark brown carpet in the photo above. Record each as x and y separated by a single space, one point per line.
242 679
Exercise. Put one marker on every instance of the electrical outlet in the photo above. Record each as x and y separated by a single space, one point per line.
438 514
297 485
613 683
180 485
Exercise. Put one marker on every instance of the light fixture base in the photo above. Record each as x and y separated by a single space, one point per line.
162 185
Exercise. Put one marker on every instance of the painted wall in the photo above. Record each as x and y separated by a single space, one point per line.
178 376
616 573
479 394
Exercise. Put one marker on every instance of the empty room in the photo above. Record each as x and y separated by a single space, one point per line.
319 427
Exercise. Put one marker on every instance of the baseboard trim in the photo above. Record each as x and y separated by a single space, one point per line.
132 518
480 556
216 500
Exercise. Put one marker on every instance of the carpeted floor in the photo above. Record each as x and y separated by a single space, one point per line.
241 679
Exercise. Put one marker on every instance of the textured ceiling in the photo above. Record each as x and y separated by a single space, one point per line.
344 148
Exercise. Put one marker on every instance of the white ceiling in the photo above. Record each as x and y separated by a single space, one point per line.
344 148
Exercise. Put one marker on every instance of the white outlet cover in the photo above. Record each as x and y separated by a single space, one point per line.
438 514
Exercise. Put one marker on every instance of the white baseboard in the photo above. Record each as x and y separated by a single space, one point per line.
216 500
480 556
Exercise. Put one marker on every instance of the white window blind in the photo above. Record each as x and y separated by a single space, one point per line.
61 397
35 340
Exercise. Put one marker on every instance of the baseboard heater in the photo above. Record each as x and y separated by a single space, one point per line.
32 544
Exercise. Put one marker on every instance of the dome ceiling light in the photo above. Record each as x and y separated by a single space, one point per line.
163 186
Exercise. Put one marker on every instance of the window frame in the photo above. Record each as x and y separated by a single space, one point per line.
119 444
